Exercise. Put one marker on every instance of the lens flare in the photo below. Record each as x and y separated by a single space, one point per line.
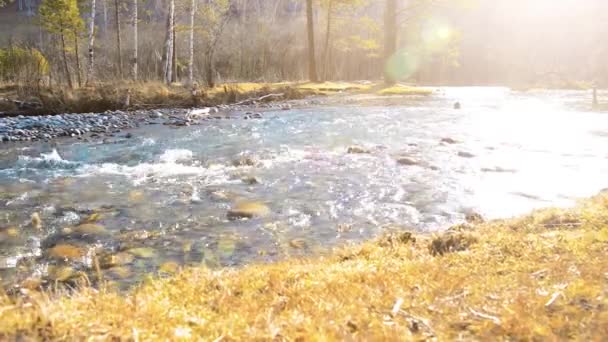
402 65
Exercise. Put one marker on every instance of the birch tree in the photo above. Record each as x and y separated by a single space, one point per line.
91 61
118 36
168 68
191 47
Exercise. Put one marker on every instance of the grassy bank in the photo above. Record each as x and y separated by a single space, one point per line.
128 95
542 276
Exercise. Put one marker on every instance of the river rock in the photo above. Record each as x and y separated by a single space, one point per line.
244 161
248 210
466 154
449 141
358 150
407 161
66 252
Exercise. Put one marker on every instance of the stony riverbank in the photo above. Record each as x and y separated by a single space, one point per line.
110 123
541 276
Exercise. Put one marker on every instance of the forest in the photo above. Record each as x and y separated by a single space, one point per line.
433 42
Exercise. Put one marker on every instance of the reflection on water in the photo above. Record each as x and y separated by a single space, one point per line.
138 205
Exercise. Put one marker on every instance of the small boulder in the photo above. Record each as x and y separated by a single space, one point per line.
466 154
358 150
248 210
449 140
244 161
407 161
474 218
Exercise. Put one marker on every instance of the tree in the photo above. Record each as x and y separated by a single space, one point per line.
215 17
134 19
312 64
62 17
118 36
191 48
168 69
333 6
91 66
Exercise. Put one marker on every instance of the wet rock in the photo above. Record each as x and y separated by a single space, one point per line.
449 141
407 161
143 252
474 218
169 268
451 242
120 272
498 170
358 150
462 154
298 243
250 180
244 161
118 259
90 229
137 235
61 273
248 210
66 252
36 221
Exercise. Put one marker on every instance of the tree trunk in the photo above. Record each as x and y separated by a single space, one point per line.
209 72
91 62
77 53
65 61
312 65
105 15
118 37
174 78
135 18
191 48
327 38
390 37
168 70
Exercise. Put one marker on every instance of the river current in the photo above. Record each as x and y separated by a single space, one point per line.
161 198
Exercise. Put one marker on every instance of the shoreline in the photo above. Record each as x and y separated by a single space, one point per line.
122 108
539 276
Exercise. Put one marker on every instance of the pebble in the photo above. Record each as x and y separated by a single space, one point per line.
102 125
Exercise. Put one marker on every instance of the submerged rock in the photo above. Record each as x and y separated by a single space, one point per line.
118 259
66 252
407 161
248 210
143 252
466 154
90 229
36 221
449 141
244 161
358 150
250 180
498 169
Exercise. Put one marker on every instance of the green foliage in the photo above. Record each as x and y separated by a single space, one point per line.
61 16
20 64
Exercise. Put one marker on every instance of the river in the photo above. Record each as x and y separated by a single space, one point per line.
161 198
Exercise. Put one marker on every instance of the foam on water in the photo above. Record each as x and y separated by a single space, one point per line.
50 161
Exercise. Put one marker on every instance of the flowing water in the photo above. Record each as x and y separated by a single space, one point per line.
162 197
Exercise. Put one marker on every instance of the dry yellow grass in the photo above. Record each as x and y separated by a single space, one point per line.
405 90
539 277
